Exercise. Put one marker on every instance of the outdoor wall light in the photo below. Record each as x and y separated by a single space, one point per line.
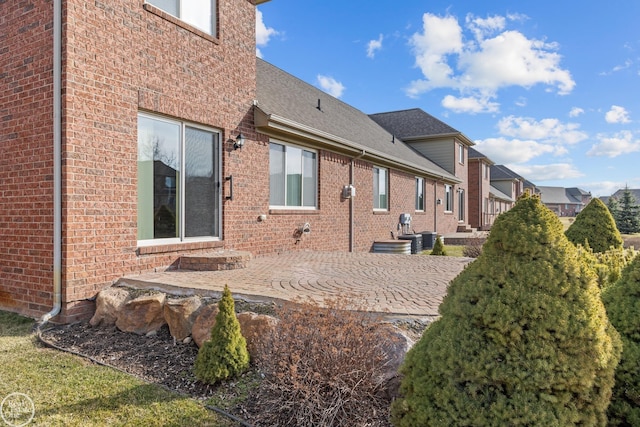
239 142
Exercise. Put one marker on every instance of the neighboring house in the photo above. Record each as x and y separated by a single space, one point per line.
507 181
339 146
618 195
564 201
136 132
481 198
444 145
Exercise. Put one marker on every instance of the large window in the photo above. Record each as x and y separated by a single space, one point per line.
380 188
461 204
199 13
448 198
419 194
293 177
178 180
461 154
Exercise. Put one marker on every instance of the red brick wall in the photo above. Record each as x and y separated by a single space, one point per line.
26 165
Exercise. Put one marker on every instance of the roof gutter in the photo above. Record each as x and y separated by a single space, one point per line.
57 164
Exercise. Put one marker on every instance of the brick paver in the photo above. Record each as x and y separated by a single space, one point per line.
395 284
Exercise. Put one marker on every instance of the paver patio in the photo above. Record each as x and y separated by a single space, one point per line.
411 285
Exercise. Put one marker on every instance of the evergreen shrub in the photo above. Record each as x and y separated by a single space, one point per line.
621 301
225 355
438 248
595 225
523 338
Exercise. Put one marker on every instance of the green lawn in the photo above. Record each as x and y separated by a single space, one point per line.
69 391
451 250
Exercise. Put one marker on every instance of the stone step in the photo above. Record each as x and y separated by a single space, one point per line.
215 261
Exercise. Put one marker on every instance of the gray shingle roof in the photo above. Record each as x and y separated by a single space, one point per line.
503 173
558 195
635 193
499 194
291 101
413 123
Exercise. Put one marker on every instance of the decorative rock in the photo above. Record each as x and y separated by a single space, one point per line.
253 327
206 318
180 315
187 340
151 334
142 315
108 305
396 346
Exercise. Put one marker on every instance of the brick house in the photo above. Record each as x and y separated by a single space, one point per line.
133 134
442 144
564 201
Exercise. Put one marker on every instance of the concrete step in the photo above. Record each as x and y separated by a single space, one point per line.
215 261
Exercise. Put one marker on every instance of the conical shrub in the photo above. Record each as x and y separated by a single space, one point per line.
438 247
595 225
523 338
225 355
621 301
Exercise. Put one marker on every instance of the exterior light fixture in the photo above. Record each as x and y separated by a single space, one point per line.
239 142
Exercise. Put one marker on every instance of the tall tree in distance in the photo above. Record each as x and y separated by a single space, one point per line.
628 220
614 208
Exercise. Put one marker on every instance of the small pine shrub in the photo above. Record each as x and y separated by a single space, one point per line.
225 355
322 367
596 225
523 337
621 301
438 248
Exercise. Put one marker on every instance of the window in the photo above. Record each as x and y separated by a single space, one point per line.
486 171
178 180
448 198
461 154
461 203
292 177
199 13
380 188
419 194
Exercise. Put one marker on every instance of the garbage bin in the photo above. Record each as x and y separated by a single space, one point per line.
416 242
428 239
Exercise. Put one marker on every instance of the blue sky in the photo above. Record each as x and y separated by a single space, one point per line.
550 89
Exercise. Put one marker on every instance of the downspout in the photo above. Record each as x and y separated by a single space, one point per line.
435 207
351 202
57 163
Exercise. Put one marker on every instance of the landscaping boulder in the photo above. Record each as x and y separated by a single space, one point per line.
205 319
396 344
142 314
109 302
180 315
254 327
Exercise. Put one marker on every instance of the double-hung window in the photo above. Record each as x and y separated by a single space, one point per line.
380 188
461 154
178 180
198 13
293 177
420 194
448 198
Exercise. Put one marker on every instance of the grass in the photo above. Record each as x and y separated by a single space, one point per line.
451 250
69 391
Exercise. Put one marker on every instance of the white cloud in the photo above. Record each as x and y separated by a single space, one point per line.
604 188
263 33
512 151
471 105
483 64
373 46
617 114
546 130
551 172
575 112
614 146
331 86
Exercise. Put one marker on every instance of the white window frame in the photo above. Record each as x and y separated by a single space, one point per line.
376 195
181 207
182 10
420 192
315 174
448 198
461 154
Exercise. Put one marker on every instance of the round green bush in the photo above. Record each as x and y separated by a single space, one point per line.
523 338
595 225
621 300
225 355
